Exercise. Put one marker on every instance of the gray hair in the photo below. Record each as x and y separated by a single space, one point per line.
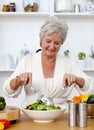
54 25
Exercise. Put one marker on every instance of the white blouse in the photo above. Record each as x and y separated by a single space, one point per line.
51 87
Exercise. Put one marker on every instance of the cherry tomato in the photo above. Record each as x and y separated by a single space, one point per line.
5 122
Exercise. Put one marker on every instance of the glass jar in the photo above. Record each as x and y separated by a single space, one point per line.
63 6
5 8
24 51
31 5
12 7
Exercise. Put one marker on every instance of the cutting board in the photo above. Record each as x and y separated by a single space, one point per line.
11 113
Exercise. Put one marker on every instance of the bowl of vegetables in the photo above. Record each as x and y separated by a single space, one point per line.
90 107
89 99
40 112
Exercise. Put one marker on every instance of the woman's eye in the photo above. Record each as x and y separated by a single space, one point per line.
57 43
48 41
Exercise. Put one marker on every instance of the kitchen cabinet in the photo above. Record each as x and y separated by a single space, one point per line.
19 28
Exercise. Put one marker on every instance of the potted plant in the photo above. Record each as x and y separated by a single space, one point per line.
66 53
81 55
81 59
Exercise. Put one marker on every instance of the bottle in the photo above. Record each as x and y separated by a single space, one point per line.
31 5
82 114
77 8
73 108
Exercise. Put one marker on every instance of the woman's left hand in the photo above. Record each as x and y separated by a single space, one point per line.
69 79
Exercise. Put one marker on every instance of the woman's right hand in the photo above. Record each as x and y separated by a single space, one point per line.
23 79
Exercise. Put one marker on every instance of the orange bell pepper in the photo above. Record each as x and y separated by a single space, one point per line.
77 99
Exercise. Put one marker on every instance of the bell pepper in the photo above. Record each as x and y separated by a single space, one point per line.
1 126
77 99
85 97
5 122
2 103
91 99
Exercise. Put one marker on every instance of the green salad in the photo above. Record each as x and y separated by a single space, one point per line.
39 105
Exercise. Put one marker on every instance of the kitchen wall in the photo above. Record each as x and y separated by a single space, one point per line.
15 33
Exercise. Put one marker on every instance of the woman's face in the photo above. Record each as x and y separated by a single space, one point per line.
51 44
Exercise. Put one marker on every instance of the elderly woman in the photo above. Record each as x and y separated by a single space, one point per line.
47 71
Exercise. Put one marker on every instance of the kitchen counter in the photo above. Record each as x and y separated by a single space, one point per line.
24 123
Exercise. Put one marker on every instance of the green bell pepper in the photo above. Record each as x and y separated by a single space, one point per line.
2 103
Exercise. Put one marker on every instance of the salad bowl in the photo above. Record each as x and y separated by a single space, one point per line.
40 112
43 116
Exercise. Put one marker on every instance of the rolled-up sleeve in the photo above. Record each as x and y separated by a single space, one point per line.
10 92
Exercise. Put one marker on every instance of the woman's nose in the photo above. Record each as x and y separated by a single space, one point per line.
52 45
